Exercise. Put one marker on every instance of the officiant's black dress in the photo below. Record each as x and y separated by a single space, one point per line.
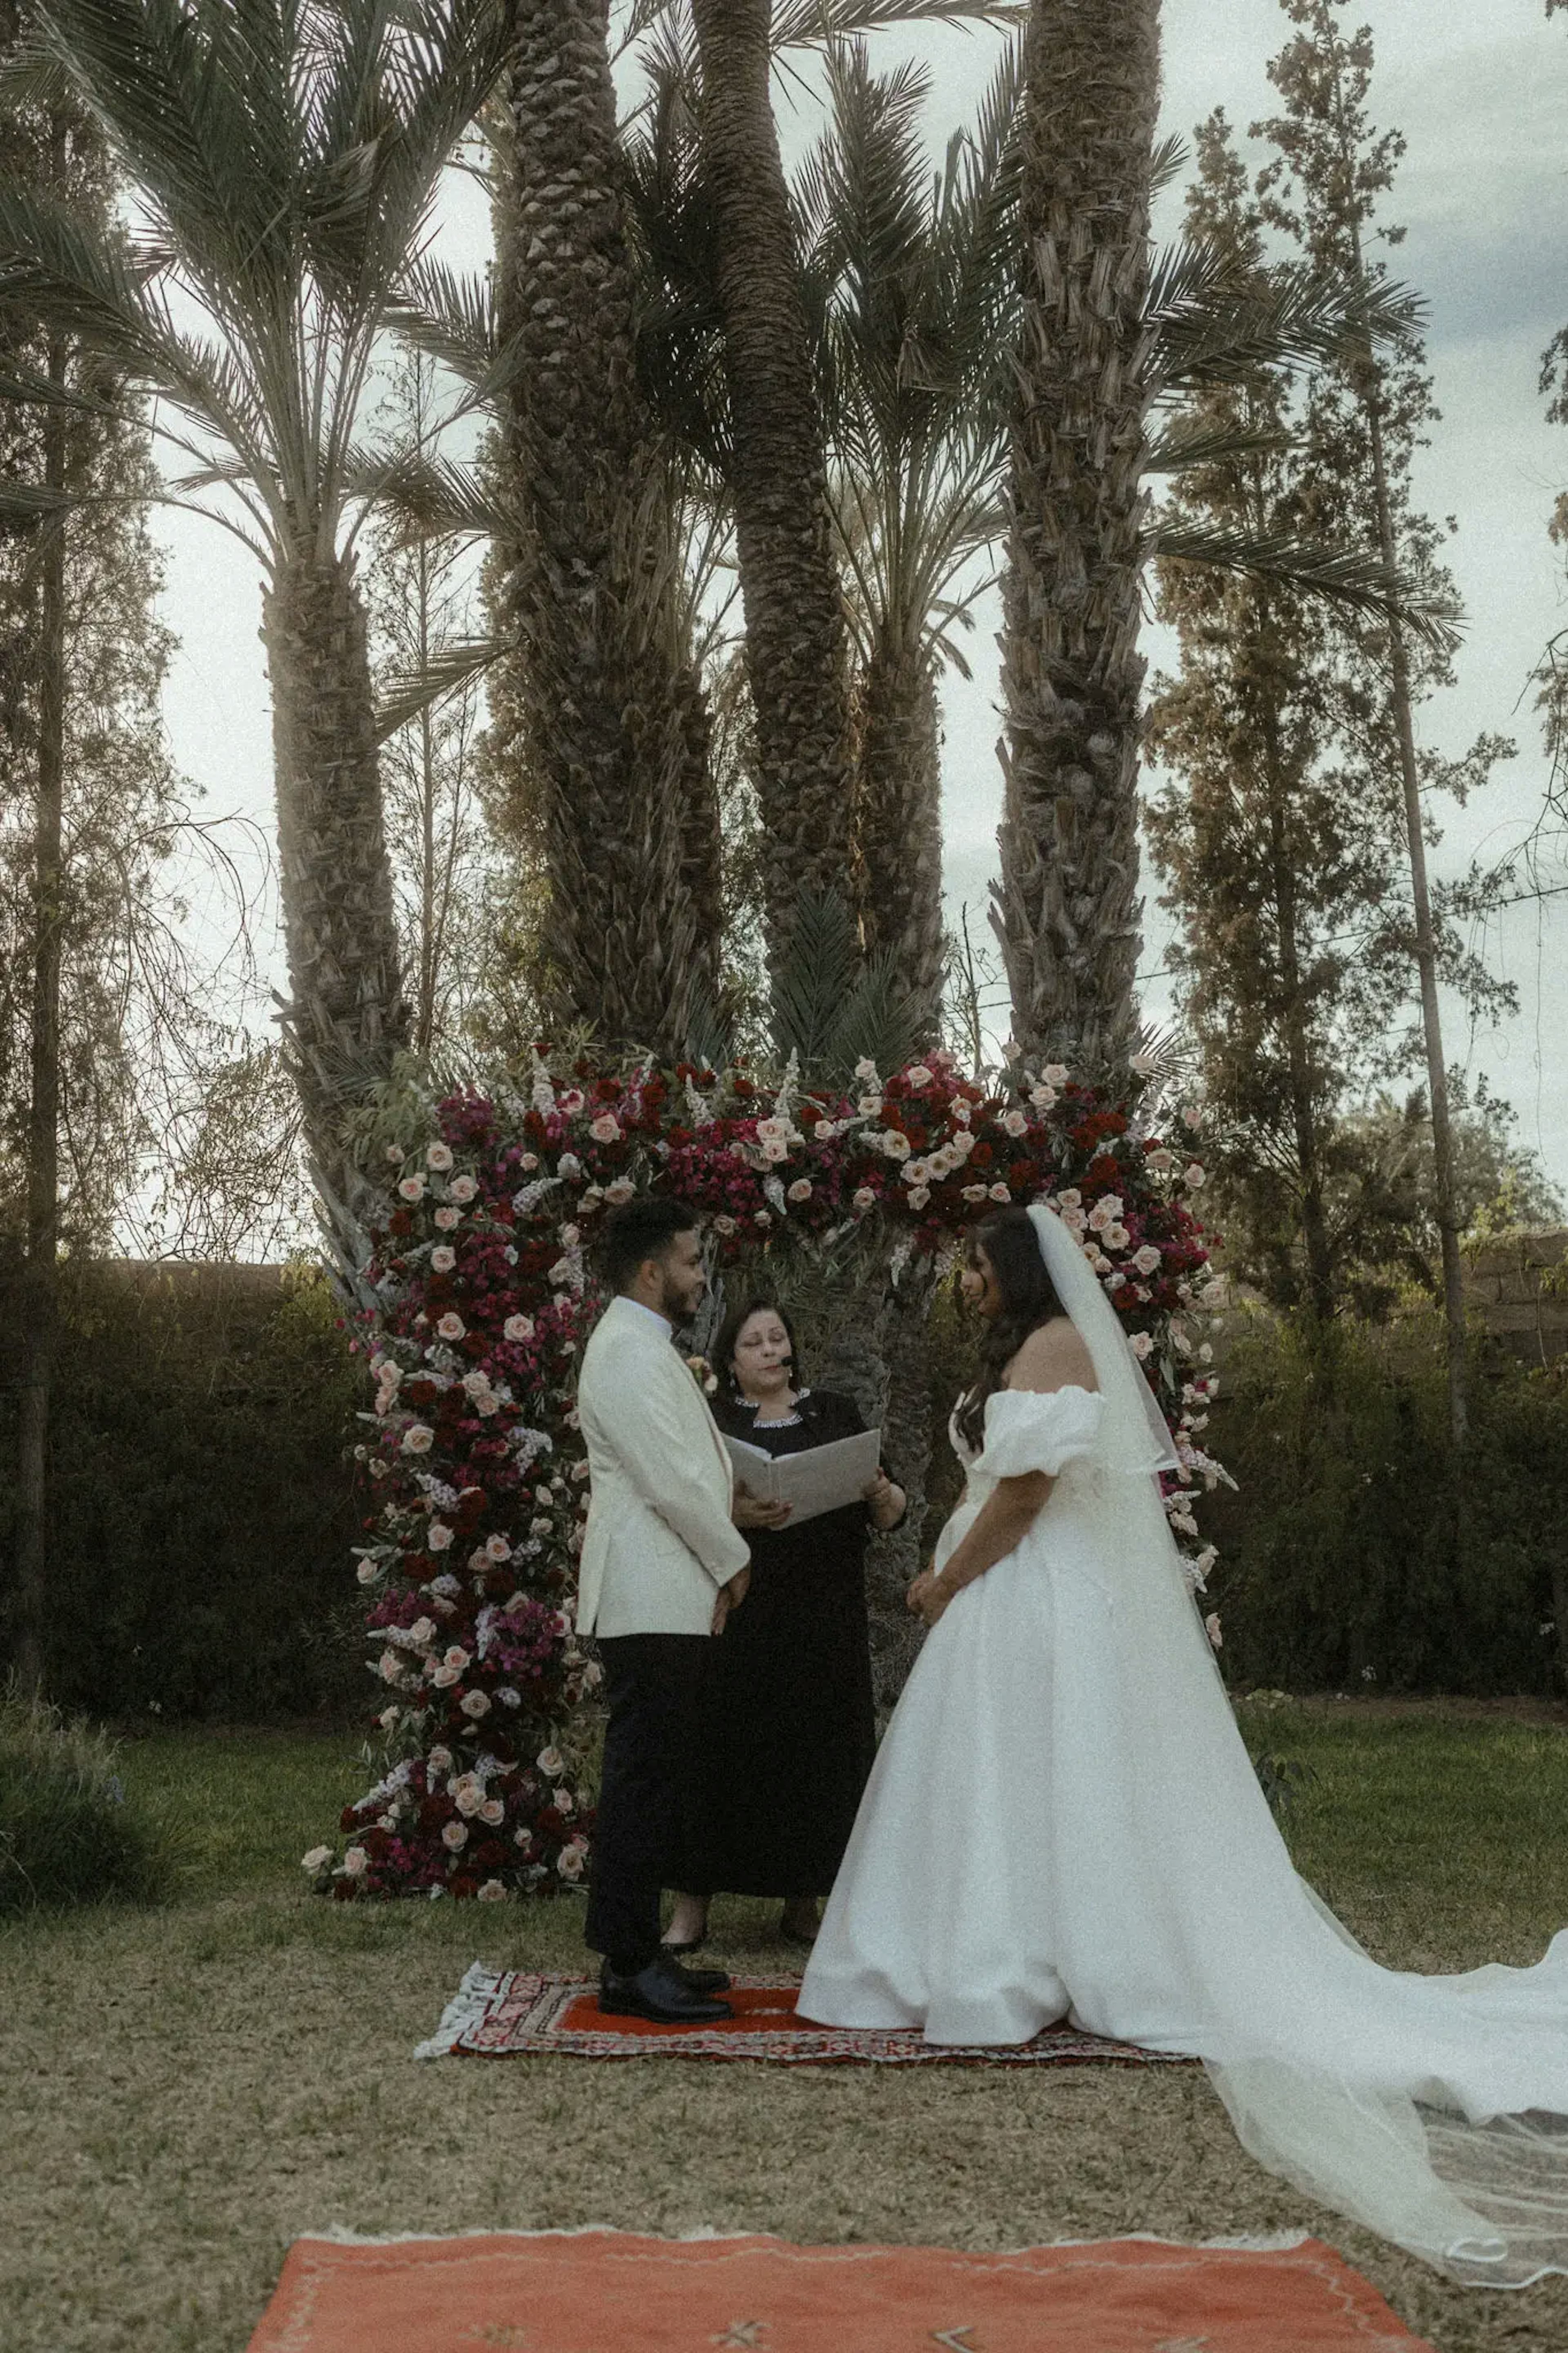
786 1732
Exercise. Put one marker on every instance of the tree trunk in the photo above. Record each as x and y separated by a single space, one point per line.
609 772
898 822
347 1015
796 645
40 1285
1067 909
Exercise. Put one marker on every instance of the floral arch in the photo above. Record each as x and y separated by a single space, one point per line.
476 1300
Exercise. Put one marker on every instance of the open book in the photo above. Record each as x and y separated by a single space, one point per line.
822 1479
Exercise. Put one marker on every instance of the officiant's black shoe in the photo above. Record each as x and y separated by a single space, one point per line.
657 1992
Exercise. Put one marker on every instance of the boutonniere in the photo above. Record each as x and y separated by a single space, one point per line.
703 1374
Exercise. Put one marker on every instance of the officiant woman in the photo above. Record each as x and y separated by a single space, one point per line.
785 1733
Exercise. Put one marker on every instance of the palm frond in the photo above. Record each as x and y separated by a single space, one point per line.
1213 322
450 314
455 667
1357 580
1182 448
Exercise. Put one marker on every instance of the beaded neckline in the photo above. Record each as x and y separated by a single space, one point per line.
785 1422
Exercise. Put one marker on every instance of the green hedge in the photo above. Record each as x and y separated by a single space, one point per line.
68 1832
1358 1554
202 1505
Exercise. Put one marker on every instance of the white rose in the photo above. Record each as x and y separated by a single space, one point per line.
412 1188
1001 1193
492 1892
1146 1259
725 1226
918 1077
770 1131
440 1760
774 1150
1055 1074
1116 1237
974 1192
455 1835
1141 1345
440 1536
388 1718
1192 1115
463 1188
439 1156
1014 1123
451 1325
619 1193
422 1633
1159 1160
1211 1627
457 1659
445 1677
498 1548
318 1856
869 1106
389 1667
468 1798
367 1572
1193 1175
356 1862
492 1811
475 1704
1043 1098
1144 1065
919 1197
570 1862
895 1143
517 1327
605 1129
865 1198
800 1190
865 1069
443 1258
824 1130
476 1384
551 1762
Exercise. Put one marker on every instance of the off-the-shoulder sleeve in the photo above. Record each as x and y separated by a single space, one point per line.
1030 1430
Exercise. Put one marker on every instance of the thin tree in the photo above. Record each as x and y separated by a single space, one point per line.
284 161
1334 167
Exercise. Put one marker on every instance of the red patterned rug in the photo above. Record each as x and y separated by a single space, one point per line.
585 2291
494 2014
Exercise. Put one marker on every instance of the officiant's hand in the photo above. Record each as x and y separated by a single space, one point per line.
886 1500
729 1597
748 1510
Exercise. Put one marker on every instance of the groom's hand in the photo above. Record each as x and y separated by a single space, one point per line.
728 1597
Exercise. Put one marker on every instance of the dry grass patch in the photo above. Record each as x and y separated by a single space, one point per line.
194 2088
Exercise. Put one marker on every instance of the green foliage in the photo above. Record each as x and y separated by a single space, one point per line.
201 1508
1357 1554
68 1832
831 1008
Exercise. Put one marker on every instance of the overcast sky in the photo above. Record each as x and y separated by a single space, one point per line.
1481 93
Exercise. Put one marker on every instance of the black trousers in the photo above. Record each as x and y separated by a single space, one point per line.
642 1835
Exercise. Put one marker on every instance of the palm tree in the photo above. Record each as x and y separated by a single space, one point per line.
914 276
600 691
284 156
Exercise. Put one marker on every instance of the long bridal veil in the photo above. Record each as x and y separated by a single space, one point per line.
1433 2110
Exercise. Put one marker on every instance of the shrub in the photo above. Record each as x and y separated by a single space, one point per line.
68 1832
1357 1554
201 1505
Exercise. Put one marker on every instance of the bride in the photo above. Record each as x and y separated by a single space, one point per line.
1063 1823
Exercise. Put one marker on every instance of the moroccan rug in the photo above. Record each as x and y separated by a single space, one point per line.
589 2292
493 2015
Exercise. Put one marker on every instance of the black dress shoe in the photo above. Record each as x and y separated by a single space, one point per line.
657 1992
701 1981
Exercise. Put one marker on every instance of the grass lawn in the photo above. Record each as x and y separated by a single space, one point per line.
185 2091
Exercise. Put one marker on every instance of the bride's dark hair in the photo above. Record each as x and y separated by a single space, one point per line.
1028 1299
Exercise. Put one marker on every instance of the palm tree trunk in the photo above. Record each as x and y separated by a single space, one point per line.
347 1015
40 1286
898 821
610 765
796 645
1067 910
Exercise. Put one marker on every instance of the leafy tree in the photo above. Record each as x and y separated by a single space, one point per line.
1372 412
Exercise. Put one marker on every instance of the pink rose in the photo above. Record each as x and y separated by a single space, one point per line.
455 1836
443 1258
457 1659
800 1190
356 1862
440 1535
439 1156
448 1220
492 1811
451 1326
463 1188
1001 1193
571 1861
517 1327
498 1548
412 1188
605 1129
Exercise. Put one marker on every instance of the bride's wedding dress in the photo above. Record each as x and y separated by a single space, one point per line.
1063 1822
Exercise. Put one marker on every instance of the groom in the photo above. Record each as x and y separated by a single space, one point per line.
663 1565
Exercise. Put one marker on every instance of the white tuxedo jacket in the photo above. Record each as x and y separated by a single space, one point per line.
659 1540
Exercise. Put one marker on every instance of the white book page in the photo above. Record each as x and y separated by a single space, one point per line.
822 1479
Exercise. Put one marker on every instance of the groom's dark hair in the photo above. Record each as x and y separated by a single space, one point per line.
639 1230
